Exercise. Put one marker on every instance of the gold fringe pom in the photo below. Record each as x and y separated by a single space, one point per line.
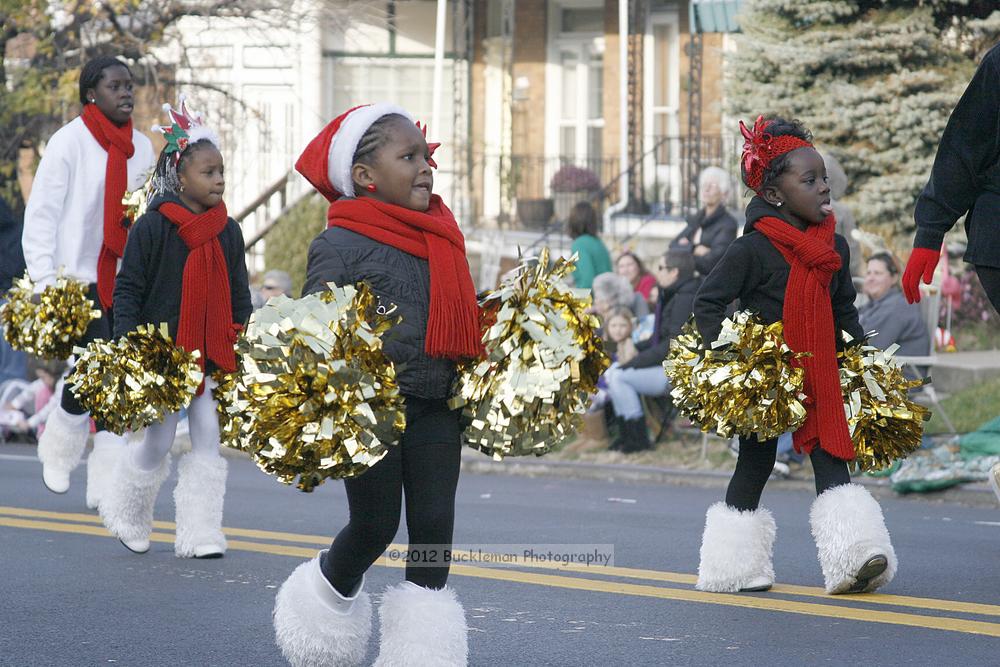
542 363
230 419
315 396
747 383
885 424
51 327
135 381
136 201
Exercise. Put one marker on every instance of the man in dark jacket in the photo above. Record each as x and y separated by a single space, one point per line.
13 364
643 374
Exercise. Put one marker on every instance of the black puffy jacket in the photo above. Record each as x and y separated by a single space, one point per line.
11 254
150 280
344 257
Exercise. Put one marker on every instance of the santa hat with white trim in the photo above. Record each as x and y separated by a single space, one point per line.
327 160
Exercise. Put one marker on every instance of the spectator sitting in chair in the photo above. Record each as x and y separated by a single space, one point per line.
275 282
643 374
888 314
612 291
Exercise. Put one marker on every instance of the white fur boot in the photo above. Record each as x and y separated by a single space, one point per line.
198 497
60 447
853 543
127 507
422 626
101 464
315 626
736 550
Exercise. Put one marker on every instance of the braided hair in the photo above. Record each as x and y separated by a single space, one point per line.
374 138
169 165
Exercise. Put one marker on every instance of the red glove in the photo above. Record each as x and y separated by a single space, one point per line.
922 263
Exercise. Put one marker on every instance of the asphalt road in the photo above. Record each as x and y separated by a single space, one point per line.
71 595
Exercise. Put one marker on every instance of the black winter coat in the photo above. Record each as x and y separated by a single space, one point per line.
673 308
966 172
717 232
150 280
754 272
11 253
398 279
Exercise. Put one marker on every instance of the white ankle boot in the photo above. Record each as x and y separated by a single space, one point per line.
315 626
198 498
736 550
60 447
420 627
101 464
127 507
852 541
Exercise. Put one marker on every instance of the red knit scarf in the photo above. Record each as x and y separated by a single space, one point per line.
453 320
117 141
206 321
809 327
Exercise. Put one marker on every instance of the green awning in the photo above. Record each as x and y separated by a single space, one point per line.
714 15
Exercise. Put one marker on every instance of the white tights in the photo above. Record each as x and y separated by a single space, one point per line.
203 423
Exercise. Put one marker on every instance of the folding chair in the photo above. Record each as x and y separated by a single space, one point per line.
662 411
930 307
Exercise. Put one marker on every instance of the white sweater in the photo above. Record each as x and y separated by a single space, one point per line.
64 219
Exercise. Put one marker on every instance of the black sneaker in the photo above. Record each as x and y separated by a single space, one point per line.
872 568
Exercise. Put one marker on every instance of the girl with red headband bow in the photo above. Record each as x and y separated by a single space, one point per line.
790 265
74 223
386 228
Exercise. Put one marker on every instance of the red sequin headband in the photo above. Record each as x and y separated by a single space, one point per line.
760 148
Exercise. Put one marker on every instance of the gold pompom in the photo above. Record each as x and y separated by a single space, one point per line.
136 201
135 381
885 424
747 383
230 419
315 396
543 359
50 328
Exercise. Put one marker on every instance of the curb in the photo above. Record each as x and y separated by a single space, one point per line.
973 494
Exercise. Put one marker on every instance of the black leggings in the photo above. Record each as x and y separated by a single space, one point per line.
102 327
989 276
424 466
756 461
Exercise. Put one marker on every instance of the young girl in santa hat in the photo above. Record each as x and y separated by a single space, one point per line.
790 265
386 228
184 265
74 223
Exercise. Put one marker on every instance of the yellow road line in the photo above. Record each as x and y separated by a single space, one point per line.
953 606
595 585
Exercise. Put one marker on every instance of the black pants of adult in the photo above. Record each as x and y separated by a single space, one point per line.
101 327
424 466
989 276
756 461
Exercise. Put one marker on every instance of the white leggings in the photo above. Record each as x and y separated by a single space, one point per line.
203 423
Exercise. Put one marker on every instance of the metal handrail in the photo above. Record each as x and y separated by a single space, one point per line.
273 189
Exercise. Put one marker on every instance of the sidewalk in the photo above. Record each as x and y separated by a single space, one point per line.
958 370
978 494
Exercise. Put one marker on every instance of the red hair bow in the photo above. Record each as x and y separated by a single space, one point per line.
760 148
756 146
